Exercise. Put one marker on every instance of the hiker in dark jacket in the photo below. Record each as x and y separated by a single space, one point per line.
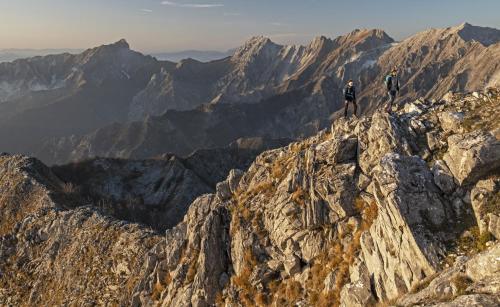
350 96
392 84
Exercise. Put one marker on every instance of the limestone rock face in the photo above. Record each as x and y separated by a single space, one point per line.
485 202
358 292
385 135
400 248
469 281
471 156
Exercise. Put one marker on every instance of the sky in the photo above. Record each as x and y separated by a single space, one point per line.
166 26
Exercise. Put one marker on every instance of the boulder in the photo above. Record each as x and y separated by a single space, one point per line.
485 197
414 108
443 177
337 150
384 136
494 225
471 300
472 156
357 293
451 121
468 280
448 97
484 265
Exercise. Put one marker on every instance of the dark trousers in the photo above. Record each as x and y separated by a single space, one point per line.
390 101
347 106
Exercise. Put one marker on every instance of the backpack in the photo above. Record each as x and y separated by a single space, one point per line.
387 79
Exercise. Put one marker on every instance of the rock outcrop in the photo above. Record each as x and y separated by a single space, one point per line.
55 254
314 223
485 197
361 214
400 248
472 156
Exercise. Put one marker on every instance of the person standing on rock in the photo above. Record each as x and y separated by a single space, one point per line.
392 84
350 96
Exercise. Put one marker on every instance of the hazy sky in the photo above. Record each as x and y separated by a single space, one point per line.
156 25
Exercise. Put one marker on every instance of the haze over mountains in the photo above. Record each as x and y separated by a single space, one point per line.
112 101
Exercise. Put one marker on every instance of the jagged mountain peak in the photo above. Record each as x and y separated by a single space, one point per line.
321 38
484 35
465 32
359 35
255 44
254 48
258 40
320 41
121 44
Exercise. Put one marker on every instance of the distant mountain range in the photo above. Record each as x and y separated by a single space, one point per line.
9 55
199 55
112 101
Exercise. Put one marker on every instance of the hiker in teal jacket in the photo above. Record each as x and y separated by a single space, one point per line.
392 84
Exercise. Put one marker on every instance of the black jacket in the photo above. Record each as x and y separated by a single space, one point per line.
350 93
389 80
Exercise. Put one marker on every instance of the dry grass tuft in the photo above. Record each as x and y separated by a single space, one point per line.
475 242
219 299
339 259
299 197
461 283
193 268
247 292
157 291
286 293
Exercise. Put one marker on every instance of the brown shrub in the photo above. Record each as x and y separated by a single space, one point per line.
193 268
219 299
298 196
157 291
461 282
242 281
286 293
246 213
475 242
261 300
168 278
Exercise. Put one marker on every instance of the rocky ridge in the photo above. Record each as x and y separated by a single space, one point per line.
364 214
386 209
